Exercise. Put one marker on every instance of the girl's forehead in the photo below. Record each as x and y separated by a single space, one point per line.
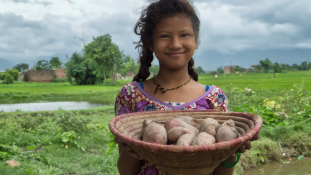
177 22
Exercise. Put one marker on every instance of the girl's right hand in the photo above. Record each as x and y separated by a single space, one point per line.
125 147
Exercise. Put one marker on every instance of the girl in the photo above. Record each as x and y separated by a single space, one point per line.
170 30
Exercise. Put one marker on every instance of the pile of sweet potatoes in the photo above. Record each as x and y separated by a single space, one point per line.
186 131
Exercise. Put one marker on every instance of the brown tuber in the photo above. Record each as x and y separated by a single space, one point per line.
203 139
226 131
174 133
185 140
154 133
175 122
209 126
191 121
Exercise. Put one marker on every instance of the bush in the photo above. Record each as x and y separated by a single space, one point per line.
2 76
15 74
8 79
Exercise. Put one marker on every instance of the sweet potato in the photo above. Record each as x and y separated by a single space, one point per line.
174 133
209 126
191 121
155 133
203 139
226 131
174 122
185 140
145 124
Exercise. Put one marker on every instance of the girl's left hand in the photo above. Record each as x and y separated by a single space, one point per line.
247 145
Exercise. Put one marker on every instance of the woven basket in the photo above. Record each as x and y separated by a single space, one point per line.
184 160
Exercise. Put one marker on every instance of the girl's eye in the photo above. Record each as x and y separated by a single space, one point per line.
185 34
164 36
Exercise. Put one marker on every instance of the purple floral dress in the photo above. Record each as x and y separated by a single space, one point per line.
133 98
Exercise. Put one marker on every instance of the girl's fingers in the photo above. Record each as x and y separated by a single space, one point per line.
248 145
256 137
241 150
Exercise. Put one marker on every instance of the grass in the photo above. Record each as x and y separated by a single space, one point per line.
259 81
51 155
77 142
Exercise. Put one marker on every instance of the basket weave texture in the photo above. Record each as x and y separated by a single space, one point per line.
184 160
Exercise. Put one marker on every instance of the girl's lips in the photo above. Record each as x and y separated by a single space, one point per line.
175 54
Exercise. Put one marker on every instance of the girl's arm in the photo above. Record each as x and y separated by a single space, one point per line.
127 164
220 170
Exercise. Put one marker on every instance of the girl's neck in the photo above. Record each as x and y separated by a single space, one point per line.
171 78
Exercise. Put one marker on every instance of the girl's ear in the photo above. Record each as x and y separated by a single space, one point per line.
150 48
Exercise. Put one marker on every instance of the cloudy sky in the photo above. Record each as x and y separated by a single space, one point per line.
237 32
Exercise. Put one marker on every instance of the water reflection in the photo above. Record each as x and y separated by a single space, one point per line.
49 106
294 167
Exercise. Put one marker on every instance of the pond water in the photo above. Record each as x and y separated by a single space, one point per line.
50 106
293 167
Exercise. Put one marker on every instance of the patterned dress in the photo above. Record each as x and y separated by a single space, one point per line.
133 98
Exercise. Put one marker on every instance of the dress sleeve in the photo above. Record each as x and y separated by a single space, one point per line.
218 100
124 102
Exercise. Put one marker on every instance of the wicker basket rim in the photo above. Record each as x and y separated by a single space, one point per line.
190 149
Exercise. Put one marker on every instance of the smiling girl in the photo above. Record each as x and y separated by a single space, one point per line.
169 29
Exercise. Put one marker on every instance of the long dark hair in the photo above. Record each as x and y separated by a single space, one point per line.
147 22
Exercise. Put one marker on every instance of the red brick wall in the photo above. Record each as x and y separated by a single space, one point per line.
39 76
61 73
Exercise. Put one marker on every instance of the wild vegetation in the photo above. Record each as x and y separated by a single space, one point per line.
78 142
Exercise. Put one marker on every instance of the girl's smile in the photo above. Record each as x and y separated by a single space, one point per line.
174 41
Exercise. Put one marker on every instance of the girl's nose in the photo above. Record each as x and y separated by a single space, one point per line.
175 43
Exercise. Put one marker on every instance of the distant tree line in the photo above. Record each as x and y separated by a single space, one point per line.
267 66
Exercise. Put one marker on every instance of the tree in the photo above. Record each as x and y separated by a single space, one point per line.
130 66
258 67
304 66
15 74
103 56
277 68
22 66
295 67
285 66
265 64
154 69
79 72
199 70
220 70
8 79
9 76
43 65
55 62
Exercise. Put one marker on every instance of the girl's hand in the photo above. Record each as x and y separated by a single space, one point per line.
125 147
247 145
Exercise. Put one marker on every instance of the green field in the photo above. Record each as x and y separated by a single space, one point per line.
78 142
259 81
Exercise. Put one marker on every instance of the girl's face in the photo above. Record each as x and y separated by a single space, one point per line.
174 41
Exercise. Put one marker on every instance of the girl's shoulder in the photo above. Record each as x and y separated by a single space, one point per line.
128 88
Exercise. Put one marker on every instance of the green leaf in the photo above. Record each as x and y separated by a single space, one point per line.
255 152
31 147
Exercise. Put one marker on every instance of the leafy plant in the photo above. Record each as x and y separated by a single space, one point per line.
68 122
69 138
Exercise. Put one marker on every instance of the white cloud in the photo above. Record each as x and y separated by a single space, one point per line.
34 28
